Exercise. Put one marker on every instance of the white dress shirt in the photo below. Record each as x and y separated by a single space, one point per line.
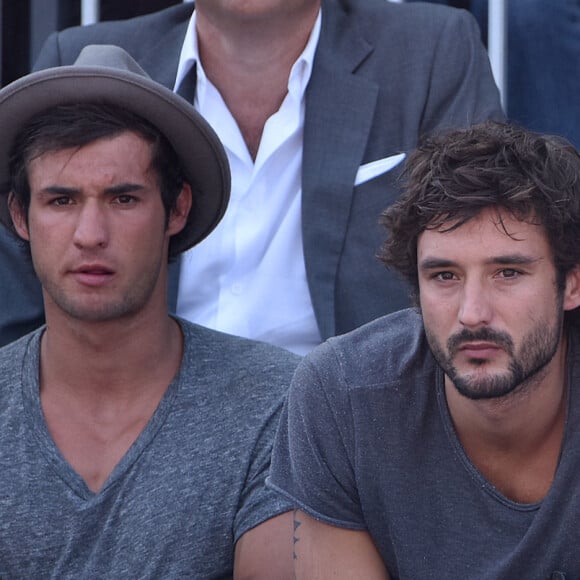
248 277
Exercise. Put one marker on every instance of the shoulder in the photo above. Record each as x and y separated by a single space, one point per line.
400 18
15 350
160 21
238 362
13 357
390 350
393 29
136 35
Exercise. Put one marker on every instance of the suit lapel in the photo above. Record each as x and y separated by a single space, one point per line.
339 110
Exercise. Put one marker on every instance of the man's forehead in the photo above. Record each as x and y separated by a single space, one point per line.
505 221
46 147
127 142
489 228
120 156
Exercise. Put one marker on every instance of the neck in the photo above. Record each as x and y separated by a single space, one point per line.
529 409
101 382
249 61
105 362
252 39
515 441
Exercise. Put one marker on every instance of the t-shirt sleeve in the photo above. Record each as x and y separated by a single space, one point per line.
259 503
312 461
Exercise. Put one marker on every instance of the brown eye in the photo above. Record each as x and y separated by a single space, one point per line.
60 201
444 276
509 273
125 199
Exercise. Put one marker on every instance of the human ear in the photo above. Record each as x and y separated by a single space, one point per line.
18 216
572 289
179 214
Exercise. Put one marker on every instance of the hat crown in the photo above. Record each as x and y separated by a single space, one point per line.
110 56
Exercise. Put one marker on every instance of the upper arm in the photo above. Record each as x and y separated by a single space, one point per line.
462 88
314 454
265 552
322 551
49 55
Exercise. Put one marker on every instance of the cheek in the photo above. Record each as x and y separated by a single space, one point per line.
43 236
137 243
439 317
437 306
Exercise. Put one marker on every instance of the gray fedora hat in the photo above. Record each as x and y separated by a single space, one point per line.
108 74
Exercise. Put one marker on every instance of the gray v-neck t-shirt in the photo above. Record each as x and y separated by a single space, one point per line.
367 443
183 494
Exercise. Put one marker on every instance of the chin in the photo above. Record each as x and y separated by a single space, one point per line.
485 386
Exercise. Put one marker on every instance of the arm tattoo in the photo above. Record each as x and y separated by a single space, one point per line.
296 539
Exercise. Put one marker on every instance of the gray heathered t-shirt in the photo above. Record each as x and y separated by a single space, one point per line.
174 506
367 443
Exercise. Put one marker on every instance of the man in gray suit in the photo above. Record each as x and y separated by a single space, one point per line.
316 101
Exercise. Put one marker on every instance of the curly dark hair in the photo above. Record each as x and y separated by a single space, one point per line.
450 178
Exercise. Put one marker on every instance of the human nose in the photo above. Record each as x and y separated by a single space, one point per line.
475 308
91 228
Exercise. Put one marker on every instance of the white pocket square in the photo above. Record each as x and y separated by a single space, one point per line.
376 168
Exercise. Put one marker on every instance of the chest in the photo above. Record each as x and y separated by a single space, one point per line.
93 435
166 510
94 446
439 504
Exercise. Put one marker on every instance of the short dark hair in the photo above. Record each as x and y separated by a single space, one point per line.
451 178
74 126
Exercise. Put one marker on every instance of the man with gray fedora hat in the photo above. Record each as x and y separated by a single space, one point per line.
316 102
132 443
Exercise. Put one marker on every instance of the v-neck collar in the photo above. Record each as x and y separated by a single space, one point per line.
50 451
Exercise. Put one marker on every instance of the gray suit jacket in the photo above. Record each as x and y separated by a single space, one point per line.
383 75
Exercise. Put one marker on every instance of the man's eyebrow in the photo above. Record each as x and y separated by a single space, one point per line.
60 190
504 260
432 263
515 259
124 188
113 190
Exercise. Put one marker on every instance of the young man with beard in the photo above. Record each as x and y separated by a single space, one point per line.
442 442
133 444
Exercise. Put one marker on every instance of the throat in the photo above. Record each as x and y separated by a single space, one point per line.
522 465
252 120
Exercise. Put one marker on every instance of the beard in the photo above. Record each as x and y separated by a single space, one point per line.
537 349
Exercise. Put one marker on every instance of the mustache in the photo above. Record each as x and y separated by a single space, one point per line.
501 339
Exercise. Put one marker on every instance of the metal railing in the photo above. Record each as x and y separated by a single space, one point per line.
90 11
497 45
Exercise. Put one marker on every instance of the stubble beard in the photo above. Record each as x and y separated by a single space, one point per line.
104 309
524 369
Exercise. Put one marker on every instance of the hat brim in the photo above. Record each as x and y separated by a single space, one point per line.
203 159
